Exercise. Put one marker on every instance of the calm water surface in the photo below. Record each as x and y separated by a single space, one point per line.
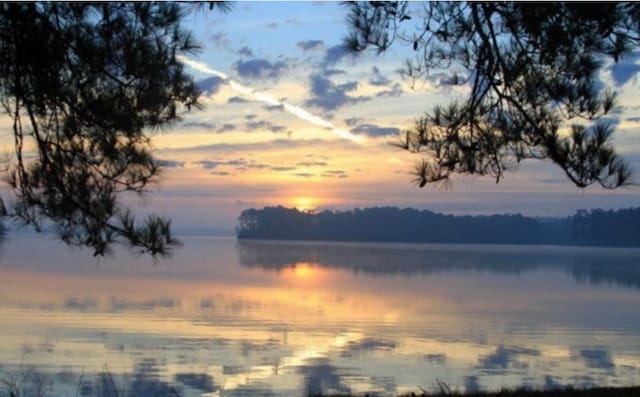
281 318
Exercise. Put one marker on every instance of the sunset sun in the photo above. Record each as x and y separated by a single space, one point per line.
305 204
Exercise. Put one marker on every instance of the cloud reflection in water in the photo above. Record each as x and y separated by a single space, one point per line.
285 318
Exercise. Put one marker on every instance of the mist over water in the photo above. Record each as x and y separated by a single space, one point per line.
240 318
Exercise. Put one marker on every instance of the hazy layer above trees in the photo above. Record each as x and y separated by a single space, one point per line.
391 224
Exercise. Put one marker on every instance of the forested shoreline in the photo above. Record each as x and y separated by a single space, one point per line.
597 227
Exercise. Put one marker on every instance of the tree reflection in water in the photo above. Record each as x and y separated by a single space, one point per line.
586 265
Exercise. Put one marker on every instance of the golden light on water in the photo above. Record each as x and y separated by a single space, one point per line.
304 270
305 274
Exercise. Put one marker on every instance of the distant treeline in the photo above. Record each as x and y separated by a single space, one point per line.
392 224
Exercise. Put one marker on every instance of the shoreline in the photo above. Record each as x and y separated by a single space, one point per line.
624 391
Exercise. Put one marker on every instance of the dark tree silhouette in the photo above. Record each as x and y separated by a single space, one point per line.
85 85
531 69
390 224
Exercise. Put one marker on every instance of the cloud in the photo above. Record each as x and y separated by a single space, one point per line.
350 86
272 145
328 115
374 130
288 21
319 156
170 163
377 78
236 99
335 174
334 54
618 110
310 45
271 108
436 358
245 52
220 40
353 121
264 125
312 163
198 125
255 125
277 129
240 161
612 121
250 116
224 167
257 166
395 91
252 165
626 69
333 72
238 164
208 164
226 127
447 79
294 21
210 86
260 68
329 96
283 169
624 72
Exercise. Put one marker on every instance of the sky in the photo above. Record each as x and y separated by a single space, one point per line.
292 120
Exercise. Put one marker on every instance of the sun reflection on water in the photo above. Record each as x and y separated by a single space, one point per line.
306 271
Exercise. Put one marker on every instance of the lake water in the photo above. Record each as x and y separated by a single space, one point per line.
285 318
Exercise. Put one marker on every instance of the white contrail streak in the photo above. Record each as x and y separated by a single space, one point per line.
270 100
